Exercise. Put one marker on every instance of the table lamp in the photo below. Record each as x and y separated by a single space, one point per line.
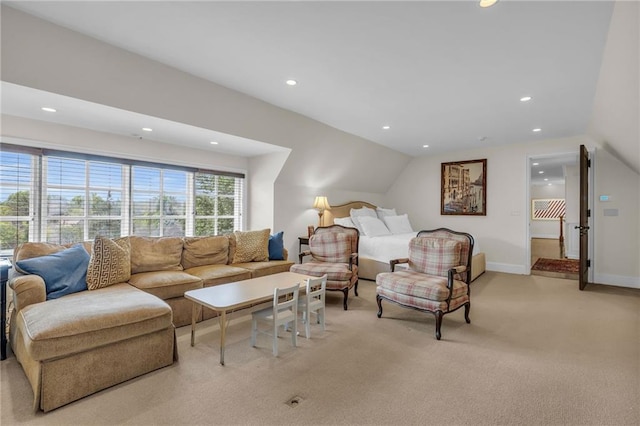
321 204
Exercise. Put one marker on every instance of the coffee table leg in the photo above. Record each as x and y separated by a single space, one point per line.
194 316
223 332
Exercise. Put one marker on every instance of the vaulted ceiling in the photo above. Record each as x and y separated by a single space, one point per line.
449 75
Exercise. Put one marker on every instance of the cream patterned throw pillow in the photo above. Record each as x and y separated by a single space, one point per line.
252 246
110 262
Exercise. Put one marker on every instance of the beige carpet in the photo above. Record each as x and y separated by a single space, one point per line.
538 352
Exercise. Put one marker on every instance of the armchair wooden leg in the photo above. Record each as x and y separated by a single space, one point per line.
379 299
467 308
346 295
355 289
438 315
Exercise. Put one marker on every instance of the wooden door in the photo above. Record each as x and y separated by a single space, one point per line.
585 213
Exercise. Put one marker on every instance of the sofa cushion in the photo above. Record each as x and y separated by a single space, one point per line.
64 272
90 319
252 246
219 274
200 251
155 254
110 262
165 284
260 269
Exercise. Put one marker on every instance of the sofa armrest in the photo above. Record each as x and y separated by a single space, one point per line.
27 290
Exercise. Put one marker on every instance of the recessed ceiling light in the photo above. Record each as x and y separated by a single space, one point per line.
549 184
487 3
147 129
48 109
291 82
386 127
425 146
537 129
545 179
213 143
541 172
535 164
525 99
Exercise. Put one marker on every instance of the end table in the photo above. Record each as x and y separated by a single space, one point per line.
5 265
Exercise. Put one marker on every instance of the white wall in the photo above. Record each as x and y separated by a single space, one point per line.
264 171
43 134
616 110
617 238
545 228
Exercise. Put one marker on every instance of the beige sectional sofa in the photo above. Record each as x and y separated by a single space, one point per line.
78 344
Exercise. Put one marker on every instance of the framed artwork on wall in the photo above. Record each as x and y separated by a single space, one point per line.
464 188
548 208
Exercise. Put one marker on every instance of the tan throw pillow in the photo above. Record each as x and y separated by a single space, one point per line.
252 246
110 262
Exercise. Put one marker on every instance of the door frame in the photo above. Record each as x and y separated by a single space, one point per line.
527 209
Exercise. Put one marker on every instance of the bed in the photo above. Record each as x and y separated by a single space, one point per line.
375 252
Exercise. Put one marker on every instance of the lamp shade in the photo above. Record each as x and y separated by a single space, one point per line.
321 204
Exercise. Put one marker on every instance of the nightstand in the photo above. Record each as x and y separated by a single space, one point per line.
301 241
5 265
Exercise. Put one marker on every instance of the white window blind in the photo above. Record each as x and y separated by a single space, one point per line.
16 199
62 197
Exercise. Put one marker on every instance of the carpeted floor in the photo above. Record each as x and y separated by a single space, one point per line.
537 352
568 266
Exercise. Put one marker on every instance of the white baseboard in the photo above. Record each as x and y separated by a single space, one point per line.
507 268
617 280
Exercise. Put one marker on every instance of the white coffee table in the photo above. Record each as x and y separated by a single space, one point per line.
226 298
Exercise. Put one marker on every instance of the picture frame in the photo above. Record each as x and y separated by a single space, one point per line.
464 188
548 208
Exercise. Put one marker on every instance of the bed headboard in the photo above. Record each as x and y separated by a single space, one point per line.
344 210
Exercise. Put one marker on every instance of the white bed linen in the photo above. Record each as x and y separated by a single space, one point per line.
387 247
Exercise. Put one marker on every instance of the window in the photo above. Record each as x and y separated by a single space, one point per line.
62 197
16 198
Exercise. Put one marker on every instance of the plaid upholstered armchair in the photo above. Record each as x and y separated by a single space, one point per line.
334 251
437 279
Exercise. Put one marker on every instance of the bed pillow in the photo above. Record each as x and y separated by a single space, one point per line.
276 246
373 227
381 212
64 272
344 221
398 224
356 214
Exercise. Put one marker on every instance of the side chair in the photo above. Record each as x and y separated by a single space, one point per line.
313 303
437 279
334 252
283 312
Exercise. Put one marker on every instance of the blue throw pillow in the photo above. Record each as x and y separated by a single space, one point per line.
64 272
276 246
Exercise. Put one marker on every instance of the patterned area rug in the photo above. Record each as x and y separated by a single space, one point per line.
569 266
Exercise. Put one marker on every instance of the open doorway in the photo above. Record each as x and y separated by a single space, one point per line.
553 214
